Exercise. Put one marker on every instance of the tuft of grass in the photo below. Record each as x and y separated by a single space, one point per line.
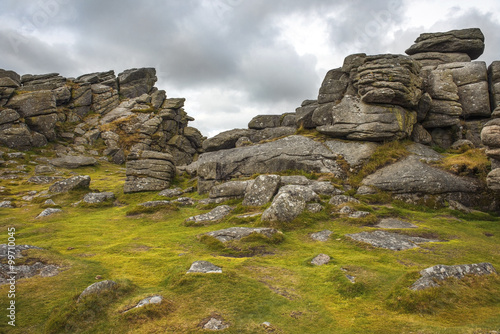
139 209
472 162
386 154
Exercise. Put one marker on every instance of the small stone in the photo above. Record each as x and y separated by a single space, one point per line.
6 204
184 201
342 199
48 212
321 236
359 214
215 215
171 192
314 207
49 202
95 198
157 299
97 288
204 267
320 260
346 210
215 325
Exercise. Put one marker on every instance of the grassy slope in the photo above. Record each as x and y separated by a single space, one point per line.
149 254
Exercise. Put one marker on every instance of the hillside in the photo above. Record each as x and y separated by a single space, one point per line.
371 209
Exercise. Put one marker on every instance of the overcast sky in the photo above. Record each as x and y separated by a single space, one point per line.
231 59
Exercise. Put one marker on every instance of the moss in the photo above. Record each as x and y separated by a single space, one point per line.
470 162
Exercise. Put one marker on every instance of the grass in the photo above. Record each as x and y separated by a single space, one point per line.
263 280
471 162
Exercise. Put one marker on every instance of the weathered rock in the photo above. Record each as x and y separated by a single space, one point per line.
294 152
284 208
237 233
33 103
135 82
356 120
314 207
186 201
490 137
342 199
71 161
265 121
388 240
154 204
392 223
45 170
43 124
295 180
105 78
171 192
16 250
334 86
225 140
494 84
321 236
148 171
303 192
431 275
262 190
421 135
410 175
43 179
424 152
438 58
48 212
204 267
320 260
8 116
104 98
231 189
98 288
213 216
215 324
390 79
454 205
359 214
354 153
157 299
27 271
493 179
75 182
303 116
20 137
469 41
94 198
6 204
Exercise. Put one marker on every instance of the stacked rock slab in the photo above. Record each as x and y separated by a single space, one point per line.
127 112
490 136
494 81
148 171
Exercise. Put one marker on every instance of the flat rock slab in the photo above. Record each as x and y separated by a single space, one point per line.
262 190
388 240
236 233
213 216
16 250
153 300
442 272
73 161
204 267
394 223
321 236
153 204
27 271
75 182
171 192
410 175
354 153
321 260
94 198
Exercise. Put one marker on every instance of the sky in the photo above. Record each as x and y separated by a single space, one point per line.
230 59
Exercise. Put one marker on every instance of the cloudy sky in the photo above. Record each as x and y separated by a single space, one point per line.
231 59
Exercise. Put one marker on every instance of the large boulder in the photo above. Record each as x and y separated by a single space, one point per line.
148 171
390 79
73 183
355 120
494 81
290 153
469 41
19 137
439 58
493 180
332 89
265 121
354 153
490 137
231 189
262 190
34 103
410 175
135 82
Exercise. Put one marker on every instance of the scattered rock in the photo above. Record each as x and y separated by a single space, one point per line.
27 271
442 272
6 204
359 214
321 236
184 201
153 204
351 279
97 288
48 212
346 210
215 325
262 190
156 299
236 233
43 179
284 208
454 205
171 192
94 198
392 223
14 250
320 260
49 202
387 240
70 161
215 215
343 199
204 267
314 207
73 183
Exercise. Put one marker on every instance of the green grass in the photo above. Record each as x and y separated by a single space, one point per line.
262 280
